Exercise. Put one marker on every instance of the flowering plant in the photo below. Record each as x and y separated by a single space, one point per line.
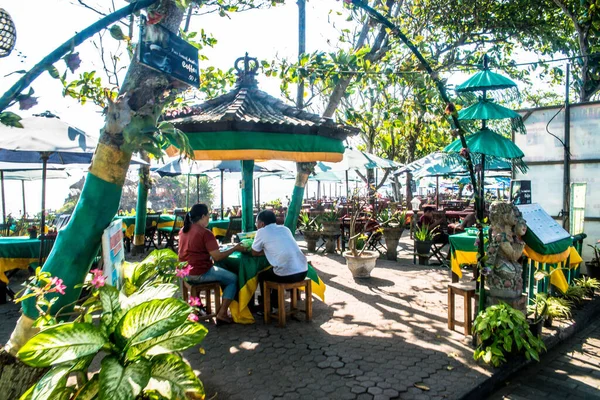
160 266
140 336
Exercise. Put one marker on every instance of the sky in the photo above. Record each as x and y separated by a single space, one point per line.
264 34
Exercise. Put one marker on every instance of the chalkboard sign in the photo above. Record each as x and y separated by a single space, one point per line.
520 192
164 51
545 228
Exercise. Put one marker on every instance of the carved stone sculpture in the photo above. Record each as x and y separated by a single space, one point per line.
505 279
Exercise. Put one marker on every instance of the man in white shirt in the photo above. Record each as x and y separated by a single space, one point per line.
277 243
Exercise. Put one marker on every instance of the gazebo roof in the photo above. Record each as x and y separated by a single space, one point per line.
248 109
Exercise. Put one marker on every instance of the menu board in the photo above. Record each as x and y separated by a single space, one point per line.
113 253
545 228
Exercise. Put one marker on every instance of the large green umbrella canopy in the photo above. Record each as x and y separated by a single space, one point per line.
485 80
486 109
492 145
449 169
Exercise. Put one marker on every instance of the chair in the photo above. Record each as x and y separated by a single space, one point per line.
468 291
152 220
281 288
172 231
46 245
190 290
62 221
234 227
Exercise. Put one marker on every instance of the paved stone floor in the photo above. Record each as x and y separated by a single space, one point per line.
378 338
569 371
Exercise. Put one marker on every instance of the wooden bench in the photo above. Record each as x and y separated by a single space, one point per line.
467 290
281 289
190 290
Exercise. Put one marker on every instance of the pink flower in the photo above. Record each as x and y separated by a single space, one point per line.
58 285
195 302
96 272
98 281
181 273
193 317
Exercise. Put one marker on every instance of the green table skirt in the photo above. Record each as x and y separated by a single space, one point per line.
17 252
247 268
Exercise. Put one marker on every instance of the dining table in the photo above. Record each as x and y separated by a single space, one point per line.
247 267
17 252
218 227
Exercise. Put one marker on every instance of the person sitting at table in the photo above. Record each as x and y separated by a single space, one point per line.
467 222
277 243
197 245
429 220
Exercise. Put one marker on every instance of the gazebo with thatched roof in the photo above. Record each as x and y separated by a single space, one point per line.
248 124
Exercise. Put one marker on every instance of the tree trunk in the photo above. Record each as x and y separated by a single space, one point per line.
16 377
247 193
304 170
142 97
139 238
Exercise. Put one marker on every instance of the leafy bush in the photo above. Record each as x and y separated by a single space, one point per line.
559 308
589 284
575 294
502 330
424 234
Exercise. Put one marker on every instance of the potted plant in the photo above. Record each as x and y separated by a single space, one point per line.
557 309
423 241
33 231
392 223
502 331
589 284
593 266
311 229
575 294
331 222
359 260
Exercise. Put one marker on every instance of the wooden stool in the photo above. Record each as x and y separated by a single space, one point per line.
467 290
281 288
190 290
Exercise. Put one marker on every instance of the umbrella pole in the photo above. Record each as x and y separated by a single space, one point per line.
347 188
437 192
43 219
197 189
258 193
187 193
23 190
481 249
318 190
247 196
3 200
222 210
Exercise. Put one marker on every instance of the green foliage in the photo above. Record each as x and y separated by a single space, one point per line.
589 284
10 119
539 308
391 218
330 215
140 332
502 330
424 234
559 308
306 223
575 294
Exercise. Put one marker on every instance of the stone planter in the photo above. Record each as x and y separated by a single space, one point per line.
423 249
311 237
362 266
392 235
331 227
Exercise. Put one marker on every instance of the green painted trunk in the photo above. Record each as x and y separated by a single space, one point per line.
141 211
78 243
291 219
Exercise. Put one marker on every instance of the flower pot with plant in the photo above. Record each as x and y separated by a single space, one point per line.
423 241
538 312
311 229
503 331
359 260
593 266
392 224
32 231
558 308
589 284
331 228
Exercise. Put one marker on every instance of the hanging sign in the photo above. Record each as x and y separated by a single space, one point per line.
113 253
520 192
164 51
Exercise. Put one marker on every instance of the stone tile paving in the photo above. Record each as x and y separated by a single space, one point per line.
569 371
371 339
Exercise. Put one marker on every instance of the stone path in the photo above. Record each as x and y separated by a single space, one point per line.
569 371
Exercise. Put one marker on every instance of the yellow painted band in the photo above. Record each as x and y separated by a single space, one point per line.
139 240
110 164
552 258
267 155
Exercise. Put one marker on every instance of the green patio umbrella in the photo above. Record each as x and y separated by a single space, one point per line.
486 109
485 80
491 144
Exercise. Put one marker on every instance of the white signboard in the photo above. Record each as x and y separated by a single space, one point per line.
541 224
113 253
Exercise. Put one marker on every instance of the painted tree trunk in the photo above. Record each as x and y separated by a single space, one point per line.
142 97
139 237
247 196
291 219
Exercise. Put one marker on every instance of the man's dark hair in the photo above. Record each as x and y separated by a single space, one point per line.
429 208
267 217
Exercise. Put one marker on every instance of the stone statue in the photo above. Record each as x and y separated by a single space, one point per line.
507 226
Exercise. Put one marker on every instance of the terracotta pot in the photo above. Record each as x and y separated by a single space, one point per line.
392 236
361 267
311 237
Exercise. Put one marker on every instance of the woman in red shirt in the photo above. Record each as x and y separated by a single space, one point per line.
199 247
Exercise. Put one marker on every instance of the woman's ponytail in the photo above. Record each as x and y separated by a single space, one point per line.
194 215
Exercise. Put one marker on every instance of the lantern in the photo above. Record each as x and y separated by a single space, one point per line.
8 33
